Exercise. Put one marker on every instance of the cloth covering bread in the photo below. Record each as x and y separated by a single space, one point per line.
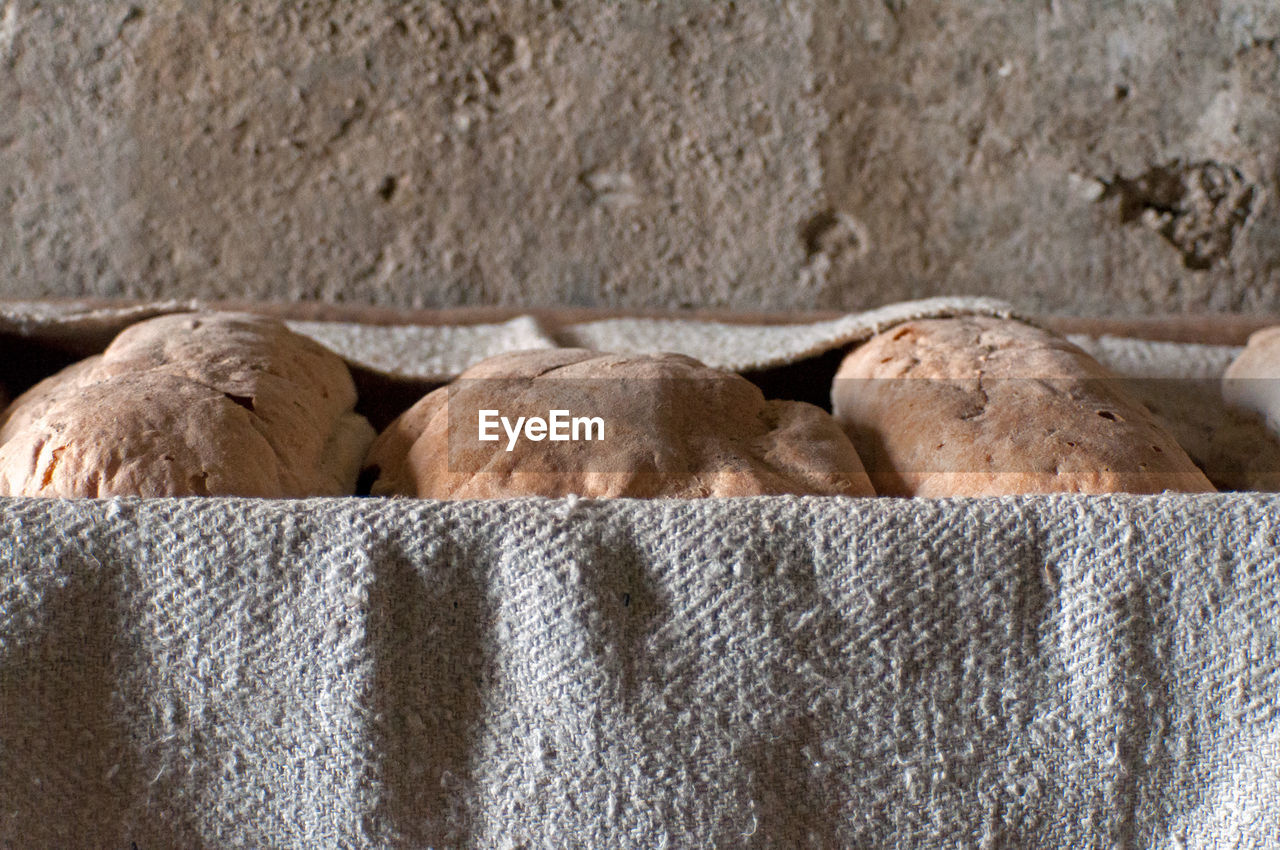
977 406
672 427
1027 672
190 404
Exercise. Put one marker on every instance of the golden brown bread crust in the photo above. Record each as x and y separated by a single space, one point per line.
190 404
673 428
978 406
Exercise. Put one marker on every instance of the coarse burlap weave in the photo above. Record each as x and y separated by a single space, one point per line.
1052 671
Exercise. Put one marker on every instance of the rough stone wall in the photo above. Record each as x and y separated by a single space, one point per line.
1091 157
1079 156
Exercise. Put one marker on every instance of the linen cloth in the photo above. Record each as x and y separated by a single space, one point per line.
777 672
1045 671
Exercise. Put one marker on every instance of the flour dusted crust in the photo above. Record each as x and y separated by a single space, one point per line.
979 406
673 428
189 404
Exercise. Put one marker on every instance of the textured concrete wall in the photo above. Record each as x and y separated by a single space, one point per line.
1081 156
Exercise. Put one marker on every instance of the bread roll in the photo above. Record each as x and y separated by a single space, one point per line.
672 427
193 404
979 406
1252 381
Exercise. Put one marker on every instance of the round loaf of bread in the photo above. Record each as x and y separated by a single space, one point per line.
668 427
192 404
1252 384
1252 381
978 406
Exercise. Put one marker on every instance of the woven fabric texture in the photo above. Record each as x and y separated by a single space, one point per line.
782 672
441 352
1069 672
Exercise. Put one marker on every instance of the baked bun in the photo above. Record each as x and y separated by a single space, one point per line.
978 406
672 427
1252 381
222 404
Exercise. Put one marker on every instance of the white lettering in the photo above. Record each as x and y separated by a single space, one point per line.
513 434
559 426
487 422
587 423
